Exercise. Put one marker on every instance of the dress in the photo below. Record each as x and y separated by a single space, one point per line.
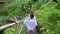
31 25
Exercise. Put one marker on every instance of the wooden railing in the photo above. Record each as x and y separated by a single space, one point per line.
11 24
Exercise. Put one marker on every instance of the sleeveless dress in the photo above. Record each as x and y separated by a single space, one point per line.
31 25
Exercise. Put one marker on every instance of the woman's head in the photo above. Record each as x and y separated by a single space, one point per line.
31 14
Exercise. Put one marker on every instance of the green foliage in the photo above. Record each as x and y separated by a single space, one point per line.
54 17
2 21
3 13
1 2
58 6
49 18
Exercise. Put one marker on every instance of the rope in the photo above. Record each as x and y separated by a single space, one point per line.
21 29
17 22
21 26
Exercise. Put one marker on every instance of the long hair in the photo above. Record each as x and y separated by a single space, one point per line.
31 14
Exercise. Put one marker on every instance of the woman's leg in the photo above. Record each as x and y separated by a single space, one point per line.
27 32
33 32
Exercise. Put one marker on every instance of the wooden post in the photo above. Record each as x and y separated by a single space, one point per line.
16 21
6 26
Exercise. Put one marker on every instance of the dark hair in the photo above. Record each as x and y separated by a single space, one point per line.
31 14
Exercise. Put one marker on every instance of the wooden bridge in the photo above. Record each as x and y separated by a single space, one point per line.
16 22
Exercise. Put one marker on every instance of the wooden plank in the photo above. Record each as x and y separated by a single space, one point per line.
8 25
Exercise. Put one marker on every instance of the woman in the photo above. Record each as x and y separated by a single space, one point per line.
31 23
